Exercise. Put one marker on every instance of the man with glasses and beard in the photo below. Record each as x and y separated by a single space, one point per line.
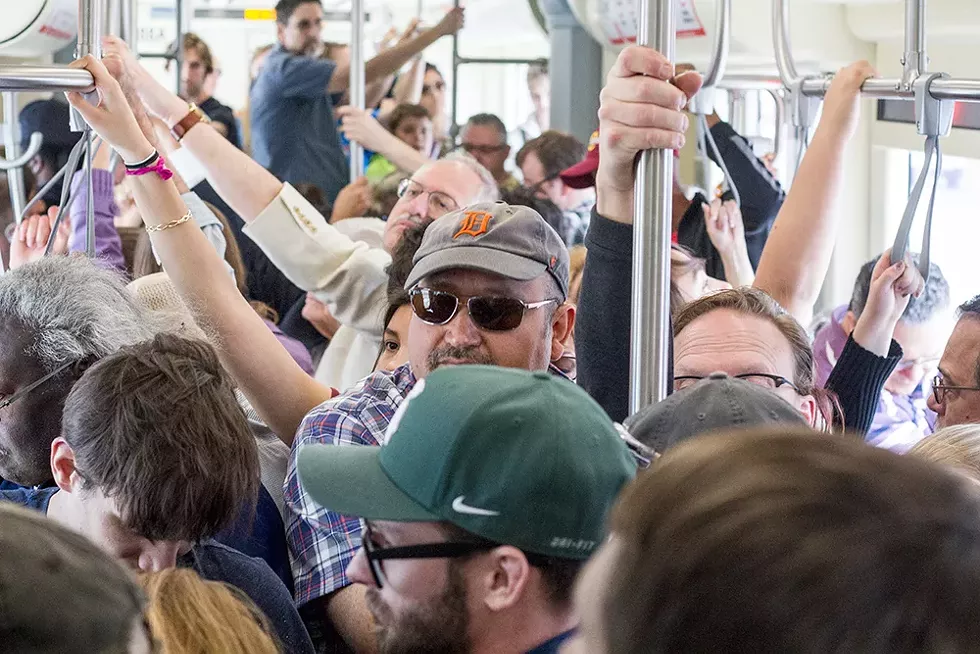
488 286
483 506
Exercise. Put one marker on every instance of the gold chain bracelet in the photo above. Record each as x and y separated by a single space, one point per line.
173 223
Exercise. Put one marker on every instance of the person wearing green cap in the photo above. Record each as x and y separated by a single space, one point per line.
490 495
488 286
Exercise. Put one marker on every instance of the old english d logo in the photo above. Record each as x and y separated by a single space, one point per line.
474 223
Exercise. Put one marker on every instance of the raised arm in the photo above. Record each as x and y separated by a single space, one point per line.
108 244
361 128
797 255
389 61
243 183
278 388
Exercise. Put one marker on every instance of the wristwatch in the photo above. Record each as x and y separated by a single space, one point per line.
194 116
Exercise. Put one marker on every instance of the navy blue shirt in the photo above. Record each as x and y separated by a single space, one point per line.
217 562
294 131
554 645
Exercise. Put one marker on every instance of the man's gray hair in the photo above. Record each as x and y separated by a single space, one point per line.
934 298
489 192
73 309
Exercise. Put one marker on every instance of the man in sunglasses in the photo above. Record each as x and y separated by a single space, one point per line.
956 389
902 417
490 495
488 286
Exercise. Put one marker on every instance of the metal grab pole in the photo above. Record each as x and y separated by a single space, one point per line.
179 43
356 81
11 138
722 44
128 28
914 60
649 340
45 78
781 44
90 24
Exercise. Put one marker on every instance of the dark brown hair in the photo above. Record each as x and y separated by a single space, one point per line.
785 540
556 151
157 428
196 43
404 111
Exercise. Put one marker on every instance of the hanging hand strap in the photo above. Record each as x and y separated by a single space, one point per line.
902 238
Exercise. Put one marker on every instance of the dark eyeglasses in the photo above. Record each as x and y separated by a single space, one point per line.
482 149
494 314
376 556
940 389
772 382
439 203
438 86
43 380
536 188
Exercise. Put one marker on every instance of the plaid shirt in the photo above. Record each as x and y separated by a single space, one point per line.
321 542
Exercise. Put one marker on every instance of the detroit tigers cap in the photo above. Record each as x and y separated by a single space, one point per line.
520 458
497 238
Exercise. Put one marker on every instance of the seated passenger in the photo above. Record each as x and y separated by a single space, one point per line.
786 541
541 161
154 459
57 315
59 591
189 615
902 417
472 541
484 137
956 389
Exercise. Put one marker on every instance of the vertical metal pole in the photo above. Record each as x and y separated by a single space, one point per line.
649 343
91 22
914 61
179 51
11 140
129 27
455 103
357 82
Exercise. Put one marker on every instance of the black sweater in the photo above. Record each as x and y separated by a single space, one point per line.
602 335
761 195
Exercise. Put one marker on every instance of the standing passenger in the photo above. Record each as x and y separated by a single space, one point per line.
294 131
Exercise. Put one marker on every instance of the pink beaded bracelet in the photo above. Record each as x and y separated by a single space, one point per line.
159 167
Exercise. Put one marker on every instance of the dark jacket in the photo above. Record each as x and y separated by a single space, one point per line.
761 196
602 336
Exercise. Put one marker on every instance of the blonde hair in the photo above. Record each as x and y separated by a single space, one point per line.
189 615
956 447
576 266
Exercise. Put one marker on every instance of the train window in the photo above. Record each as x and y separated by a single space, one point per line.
954 231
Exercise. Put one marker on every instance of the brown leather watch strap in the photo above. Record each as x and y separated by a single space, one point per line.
193 117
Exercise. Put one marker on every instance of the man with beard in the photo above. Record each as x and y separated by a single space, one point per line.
196 73
488 286
491 492
294 130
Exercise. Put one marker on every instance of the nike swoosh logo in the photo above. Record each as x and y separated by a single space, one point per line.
459 506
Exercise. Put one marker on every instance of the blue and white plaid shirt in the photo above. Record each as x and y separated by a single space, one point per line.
321 542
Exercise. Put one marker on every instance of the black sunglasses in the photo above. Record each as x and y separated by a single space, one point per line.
494 314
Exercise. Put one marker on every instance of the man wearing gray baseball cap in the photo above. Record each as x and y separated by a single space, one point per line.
488 286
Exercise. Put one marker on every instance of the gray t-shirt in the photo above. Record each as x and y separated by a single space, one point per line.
294 131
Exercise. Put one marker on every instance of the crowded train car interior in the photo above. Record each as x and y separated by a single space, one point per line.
489 326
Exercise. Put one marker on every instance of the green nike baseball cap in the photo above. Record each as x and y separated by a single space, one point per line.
521 458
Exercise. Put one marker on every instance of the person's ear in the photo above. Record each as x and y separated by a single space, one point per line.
562 324
504 582
63 469
808 407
